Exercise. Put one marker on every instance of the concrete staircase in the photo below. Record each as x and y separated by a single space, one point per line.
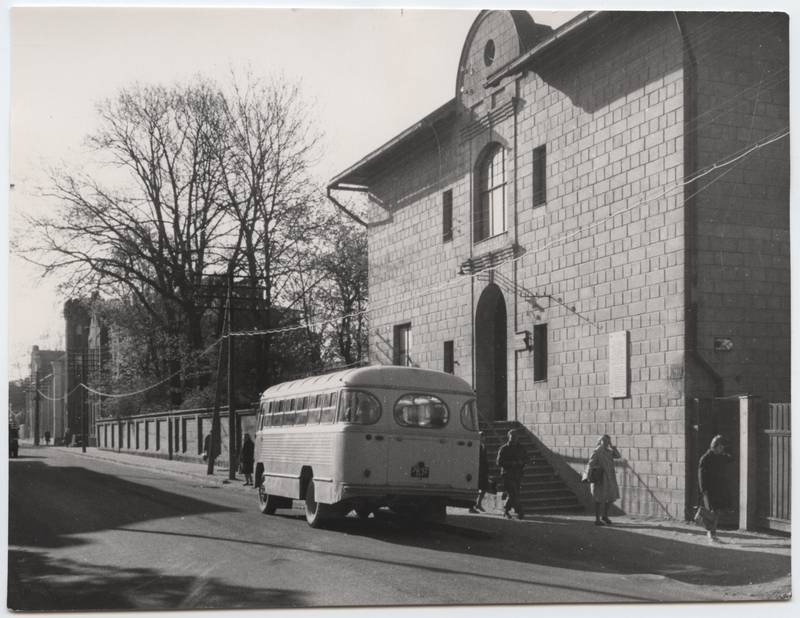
543 491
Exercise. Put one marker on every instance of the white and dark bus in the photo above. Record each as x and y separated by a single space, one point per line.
365 439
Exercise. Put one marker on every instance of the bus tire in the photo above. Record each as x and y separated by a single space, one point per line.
316 512
267 503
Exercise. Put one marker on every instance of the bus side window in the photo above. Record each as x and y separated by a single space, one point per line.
302 411
313 409
278 414
328 412
289 417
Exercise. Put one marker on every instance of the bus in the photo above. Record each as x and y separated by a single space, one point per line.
363 439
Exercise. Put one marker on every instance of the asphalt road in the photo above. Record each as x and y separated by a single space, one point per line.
94 535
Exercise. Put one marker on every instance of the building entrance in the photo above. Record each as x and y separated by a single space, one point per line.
490 355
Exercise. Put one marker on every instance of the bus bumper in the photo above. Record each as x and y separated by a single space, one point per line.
449 496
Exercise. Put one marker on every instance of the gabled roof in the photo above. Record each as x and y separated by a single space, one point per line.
358 175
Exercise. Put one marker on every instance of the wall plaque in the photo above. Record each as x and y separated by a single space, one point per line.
618 364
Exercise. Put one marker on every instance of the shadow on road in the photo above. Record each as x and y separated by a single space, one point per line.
579 545
39 582
48 505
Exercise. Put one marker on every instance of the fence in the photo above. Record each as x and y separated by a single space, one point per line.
774 467
175 434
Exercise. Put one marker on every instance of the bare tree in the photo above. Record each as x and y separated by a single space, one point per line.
210 187
276 205
155 238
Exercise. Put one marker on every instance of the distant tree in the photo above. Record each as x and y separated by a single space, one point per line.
345 292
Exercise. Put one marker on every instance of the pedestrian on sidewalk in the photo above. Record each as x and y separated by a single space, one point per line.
603 478
47 438
483 475
247 458
512 458
210 449
713 485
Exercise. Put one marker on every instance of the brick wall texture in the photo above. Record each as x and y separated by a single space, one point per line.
621 243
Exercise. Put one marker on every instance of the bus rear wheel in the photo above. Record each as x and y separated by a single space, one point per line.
267 503
316 512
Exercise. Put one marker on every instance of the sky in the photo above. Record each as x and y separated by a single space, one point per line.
369 73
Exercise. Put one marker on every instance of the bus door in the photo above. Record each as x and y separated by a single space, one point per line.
421 451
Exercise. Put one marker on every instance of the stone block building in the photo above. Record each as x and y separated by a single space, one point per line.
594 231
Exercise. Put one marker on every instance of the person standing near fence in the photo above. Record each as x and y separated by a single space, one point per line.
603 478
247 458
713 484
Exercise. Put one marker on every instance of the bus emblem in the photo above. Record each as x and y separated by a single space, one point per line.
420 471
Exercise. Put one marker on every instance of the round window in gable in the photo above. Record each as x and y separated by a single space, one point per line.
488 52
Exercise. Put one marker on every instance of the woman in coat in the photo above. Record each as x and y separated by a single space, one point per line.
247 458
713 482
604 489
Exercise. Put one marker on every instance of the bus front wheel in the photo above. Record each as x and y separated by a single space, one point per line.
316 512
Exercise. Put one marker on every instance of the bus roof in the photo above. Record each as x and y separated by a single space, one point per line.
375 376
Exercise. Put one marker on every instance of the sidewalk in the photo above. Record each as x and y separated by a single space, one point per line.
158 464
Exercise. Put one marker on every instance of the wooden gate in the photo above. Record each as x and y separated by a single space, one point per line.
774 468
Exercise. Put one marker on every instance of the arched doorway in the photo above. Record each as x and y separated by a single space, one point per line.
490 355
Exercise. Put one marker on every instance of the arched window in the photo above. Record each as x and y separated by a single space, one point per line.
490 211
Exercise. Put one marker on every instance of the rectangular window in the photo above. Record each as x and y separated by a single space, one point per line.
539 175
490 212
402 345
449 360
540 352
447 215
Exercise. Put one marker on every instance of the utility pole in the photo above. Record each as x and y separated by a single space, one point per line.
216 440
84 401
232 450
36 398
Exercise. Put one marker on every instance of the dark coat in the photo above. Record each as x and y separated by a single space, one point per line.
248 456
712 478
512 459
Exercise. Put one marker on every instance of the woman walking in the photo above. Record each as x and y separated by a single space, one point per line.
603 478
711 475
247 458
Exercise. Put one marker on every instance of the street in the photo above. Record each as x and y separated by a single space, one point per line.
87 533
